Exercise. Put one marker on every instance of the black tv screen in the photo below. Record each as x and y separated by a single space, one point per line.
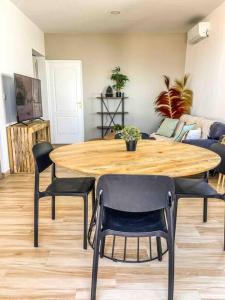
28 98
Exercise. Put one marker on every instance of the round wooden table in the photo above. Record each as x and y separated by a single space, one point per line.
152 157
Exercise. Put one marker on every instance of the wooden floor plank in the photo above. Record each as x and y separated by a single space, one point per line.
61 269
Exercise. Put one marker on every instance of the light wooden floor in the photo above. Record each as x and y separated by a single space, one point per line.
61 269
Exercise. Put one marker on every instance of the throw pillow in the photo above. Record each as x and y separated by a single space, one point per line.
193 134
185 129
167 127
179 128
217 129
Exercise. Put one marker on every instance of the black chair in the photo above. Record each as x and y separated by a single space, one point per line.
192 187
144 136
134 206
79 187
200 188
220 150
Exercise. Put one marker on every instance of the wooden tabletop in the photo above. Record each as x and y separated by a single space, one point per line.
152 157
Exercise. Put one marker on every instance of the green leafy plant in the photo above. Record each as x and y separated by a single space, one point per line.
117 128
119 79
176 100
130 133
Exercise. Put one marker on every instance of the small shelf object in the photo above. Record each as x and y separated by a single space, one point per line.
105 126
21 139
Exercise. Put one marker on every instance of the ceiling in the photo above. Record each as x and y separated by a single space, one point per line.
86 16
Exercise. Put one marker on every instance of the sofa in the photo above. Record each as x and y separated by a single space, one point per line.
211 131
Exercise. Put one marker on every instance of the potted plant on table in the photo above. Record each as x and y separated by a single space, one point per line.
131 135
120 81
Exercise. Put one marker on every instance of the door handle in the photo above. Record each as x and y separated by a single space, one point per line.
79 105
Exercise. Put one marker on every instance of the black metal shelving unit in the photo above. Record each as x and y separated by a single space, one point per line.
105 111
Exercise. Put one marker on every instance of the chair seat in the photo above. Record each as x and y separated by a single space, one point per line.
134 222
63 186
194 188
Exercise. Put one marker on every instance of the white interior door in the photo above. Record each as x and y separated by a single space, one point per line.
65 101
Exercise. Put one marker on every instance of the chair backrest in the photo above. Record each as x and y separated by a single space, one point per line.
41 153
136 193
144 136
220 150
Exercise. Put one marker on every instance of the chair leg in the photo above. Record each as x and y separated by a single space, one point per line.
102 247
171 270
85 221
93 198
175 216
159 248
36 216
205 210
95 267
53 207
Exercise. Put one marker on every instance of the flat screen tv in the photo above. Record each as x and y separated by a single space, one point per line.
28 98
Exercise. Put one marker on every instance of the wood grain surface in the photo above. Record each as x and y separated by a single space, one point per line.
61 270
152 157
21 139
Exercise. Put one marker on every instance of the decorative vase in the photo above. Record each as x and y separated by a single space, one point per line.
109 92
131 145
118 94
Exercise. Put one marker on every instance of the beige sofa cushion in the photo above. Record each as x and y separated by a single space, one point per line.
200 122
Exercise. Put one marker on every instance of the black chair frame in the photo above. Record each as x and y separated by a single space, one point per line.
161 251
220 150
99 242
205 208
205 198
39 168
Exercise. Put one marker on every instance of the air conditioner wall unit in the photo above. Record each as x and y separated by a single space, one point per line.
198 32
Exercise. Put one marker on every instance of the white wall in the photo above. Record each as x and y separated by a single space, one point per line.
143 57
205 62
18 36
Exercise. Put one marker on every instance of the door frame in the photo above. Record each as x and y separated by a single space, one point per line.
50 115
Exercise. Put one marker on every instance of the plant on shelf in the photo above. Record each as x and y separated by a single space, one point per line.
131 135
117 128
120 81
176 100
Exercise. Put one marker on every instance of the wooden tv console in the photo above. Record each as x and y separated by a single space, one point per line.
21 139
